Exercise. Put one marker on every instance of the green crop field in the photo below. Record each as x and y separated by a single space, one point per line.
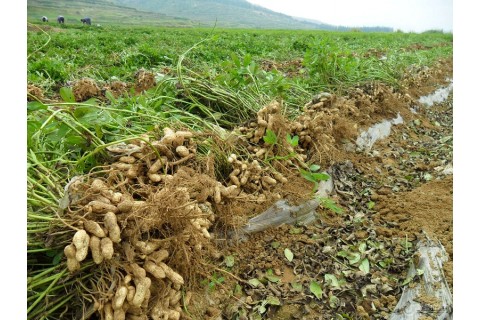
202 80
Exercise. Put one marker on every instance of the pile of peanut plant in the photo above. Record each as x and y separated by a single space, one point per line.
124 190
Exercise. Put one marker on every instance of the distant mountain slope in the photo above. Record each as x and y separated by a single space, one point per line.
176 13
101 11
226 13
343 28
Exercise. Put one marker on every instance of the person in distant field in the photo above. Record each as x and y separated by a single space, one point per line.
44 19
61 19
86 21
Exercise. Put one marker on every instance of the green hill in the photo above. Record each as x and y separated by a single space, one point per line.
225 13
202 13
101 12
176 13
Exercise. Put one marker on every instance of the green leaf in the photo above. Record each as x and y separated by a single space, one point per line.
362 247
364 265
353 257
297 286
98 131
274 301
229 261
84 111
316 289
407 280
446 139
67 94
35 105
334 301
294 230
262 309
254 282
407 245
314 167
320 176
58 258
331 280
385 263
237 290
109 95
246 60
293 141
307 175
331 205
275 244
32 128
75 140
235 59
60 134
217 115
288 254
92 101
271 277
370 205
270 137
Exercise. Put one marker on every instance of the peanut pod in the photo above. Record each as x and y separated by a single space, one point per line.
106 248
94 228
158 256
110 220
153 269
172 275
72 263
81 240
147 247
141 288
120 297
95 248
101 207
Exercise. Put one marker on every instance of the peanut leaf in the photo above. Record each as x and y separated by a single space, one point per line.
364 265
316 289
288 254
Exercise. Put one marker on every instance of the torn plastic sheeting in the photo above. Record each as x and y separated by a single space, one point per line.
445 170
439 95
283 213
431 295
381 130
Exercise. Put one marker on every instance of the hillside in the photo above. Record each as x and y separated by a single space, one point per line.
225 13
101 12
178 13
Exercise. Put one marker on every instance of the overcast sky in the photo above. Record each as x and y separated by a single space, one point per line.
406 15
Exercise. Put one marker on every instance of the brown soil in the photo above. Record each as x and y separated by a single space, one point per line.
144 80
85 89
34 93
403 208
426 209
291 68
